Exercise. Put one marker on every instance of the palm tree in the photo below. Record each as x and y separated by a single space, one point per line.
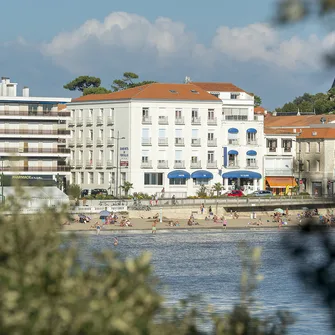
217 187
126 187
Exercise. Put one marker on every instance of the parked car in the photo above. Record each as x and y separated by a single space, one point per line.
262 193
97 191
235 193
85 192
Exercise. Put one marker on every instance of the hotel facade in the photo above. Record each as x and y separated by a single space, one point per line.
32 135
166 137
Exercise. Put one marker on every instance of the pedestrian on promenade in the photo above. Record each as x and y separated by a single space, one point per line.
156 199
154 228
202 208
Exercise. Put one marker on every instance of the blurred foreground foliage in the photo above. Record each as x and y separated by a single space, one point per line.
45 290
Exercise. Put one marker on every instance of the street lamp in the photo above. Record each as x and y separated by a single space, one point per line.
117 138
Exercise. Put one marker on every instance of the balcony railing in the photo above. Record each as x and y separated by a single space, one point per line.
178 164
162 164
196 120
100 142
233 141
212 121
99 164
195 165
196 142
89 121
163 120
35 131
212 164
179 141
35 113
64 168
146 140
110 141
100 120
110 121
287 149
233 165
89 142
252 142
163 141
36 150
252 165
212 143
272 149
79 121
179 120
109 164
146 120
71 123
89 164
146 165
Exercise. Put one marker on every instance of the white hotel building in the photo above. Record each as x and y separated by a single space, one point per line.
172 136
32 134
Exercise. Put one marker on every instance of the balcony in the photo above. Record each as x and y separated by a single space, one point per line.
100 142
212 143
64 168
163 141
179 142
36 150
162 164
279 172
146 165
89 142
110 164
32 114
196 120
179 120
100 120
110 120
99 164
146 141
146 120
89 121
163 120
212 121
79 142
79 121
233 141
35 131
196 142
252 166
72 142
71 123
89 164
233 165
212 164
252 142
195 165
110 142
79 163
178 164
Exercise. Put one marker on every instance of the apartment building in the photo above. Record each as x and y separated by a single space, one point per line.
242 143
174 137
32 135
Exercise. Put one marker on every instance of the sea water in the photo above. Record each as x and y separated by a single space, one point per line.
208 263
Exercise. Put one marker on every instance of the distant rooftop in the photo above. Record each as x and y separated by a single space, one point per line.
218 87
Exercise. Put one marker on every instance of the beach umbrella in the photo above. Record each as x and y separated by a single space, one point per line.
305 208
104 214
279 210
82 216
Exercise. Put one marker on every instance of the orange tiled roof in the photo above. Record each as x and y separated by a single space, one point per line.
296 121
279 131
259 110
155 91
61 107
218 87
320 133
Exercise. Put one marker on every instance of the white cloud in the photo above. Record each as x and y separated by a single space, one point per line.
131 37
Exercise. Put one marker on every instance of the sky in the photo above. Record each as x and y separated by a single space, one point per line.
45 44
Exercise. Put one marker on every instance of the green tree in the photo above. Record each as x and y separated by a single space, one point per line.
217 187
82 82
96 90
127 186
257 101
331 94
128 81
202 192
74 192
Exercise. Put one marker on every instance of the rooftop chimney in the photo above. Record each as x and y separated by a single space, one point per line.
25 91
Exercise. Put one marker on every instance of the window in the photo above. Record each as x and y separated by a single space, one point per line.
90 156
232 160
287 145
145 156
308 166
101 112
194 91
194 113
251 162
145 114
210 136
308 146
101 178
234 96
210 156
153 179
81 177
235 114
317 166
80 154
173 91
178 114
271 144
178 155
210 114
112 178
80 134
73 177
123 177
90 112
318 146
101 154
194 159
90 178
72 154
201 181
177 181
90 134
251 138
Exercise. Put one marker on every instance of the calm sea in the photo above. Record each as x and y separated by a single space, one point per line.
208 263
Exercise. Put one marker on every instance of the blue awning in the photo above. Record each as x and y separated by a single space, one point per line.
233 131
251 130
202 174
178 174
232 152
251 153
242 174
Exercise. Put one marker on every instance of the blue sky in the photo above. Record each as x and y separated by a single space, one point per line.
47 44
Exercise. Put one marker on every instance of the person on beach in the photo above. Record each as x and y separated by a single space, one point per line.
224 223
156 199
98 228
154 228
210 212
116 242
202 208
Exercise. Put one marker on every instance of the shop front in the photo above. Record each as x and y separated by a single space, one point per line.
247 181
280 185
